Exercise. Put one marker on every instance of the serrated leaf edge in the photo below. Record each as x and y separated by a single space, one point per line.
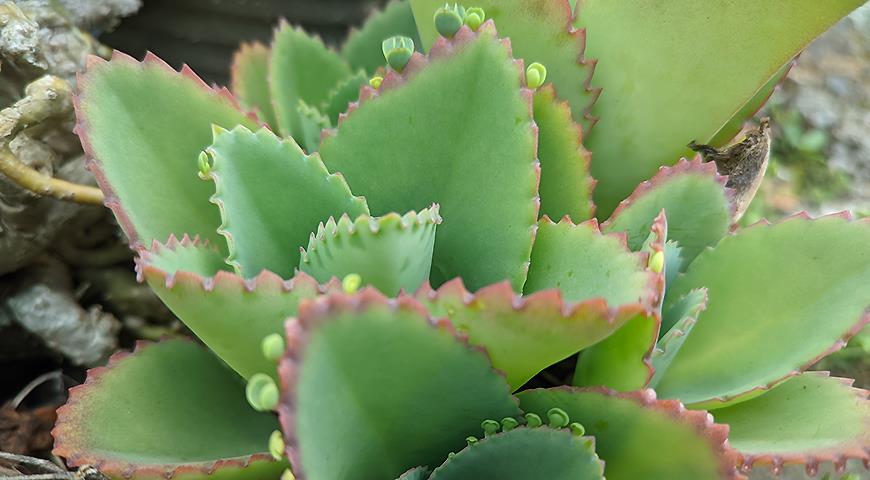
81 128
76 456
311 314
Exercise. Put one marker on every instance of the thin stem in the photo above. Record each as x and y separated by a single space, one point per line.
40 184
42 476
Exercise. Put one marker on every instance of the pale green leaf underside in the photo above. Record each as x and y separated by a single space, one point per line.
636 438
166 406
271 197
411 393
406 147
680 70
524 336
363 47
808 415
390 253
249 75
584 264
301 68
677 324
223 311
145 125
525 453
782 295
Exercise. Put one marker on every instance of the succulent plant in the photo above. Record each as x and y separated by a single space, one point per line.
402 271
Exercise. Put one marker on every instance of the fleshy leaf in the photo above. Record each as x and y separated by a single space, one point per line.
345 93
249 75
143 125
694 198
257 174
230 314
810 419
312 123
583 264
411 391
622 360
391 253
673 261
775 328
680 318
362 49
404 144
524 453
733 127
167 410
189 255
301 68
541 32
416 473
677 71
566 187
525 334
638 436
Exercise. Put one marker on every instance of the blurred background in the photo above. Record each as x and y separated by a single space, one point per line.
68 294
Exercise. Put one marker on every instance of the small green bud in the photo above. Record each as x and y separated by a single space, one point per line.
536 74
470 440
577 430
351 283
376 81
273 346
276 445
204 165
448 20
398 50
557 418
474 17
288 475
490 427
533 420
262 393
509 423
657 262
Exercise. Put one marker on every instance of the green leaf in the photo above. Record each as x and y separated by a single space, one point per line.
229 314
677 324
673 261
638 436
539 31
566 187
769 286
622 360
810 419
301 68
416 473
249 75
694 198
257 174
188 255
583 264
311 125
733 127
680 71
340 98
524 453
143 125
404 144
169 409
525 334
391 253
362 49
411 392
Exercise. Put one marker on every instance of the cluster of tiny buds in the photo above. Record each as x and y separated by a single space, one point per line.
556 419
450 18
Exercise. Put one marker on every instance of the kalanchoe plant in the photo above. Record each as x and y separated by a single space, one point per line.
349 268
